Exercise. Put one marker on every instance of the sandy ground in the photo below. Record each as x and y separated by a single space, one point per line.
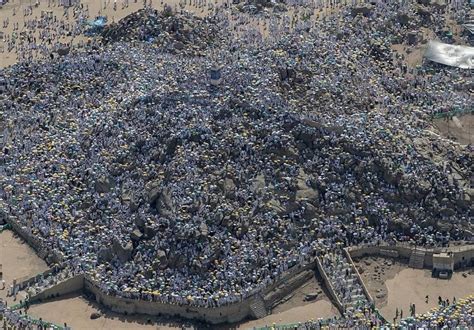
459 129
75 310
412 286
393 285
295 309
18 260
319 309
375 272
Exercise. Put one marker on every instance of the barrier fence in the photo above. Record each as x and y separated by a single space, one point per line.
5 227
456 112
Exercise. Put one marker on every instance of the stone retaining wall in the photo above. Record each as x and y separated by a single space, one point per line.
26 282
73 284
274 297
463 255
231 313
34 242
329 286
223 314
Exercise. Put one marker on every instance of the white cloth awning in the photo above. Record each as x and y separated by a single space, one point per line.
452 55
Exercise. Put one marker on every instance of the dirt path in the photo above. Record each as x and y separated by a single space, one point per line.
459 129
412 286
76 311
18 260
393 285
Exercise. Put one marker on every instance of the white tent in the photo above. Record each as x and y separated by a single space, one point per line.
452 55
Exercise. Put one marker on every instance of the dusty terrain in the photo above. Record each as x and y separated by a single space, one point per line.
76 311
393 285
18 260
459 129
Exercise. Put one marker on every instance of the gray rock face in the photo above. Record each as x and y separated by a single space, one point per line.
178 45
305 192
104 184
164 204
153 190
123 253
311 296
228 186
139 222
105 255
150 232
95 315
362 10
161 260
3 217
258 183
136 235
203 229
276 206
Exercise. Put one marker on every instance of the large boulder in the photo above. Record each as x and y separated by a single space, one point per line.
403 19
105 255
123 253
362 10
153 190
229 186
304 191
161 260
258 183
275 205
104 184
308 194
150 231
164 203
136 235
203 229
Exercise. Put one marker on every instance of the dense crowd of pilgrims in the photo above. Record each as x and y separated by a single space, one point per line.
316 137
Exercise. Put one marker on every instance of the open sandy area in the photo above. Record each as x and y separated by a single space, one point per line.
412 286
393 285
459 129
18 260
319 309
75 310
